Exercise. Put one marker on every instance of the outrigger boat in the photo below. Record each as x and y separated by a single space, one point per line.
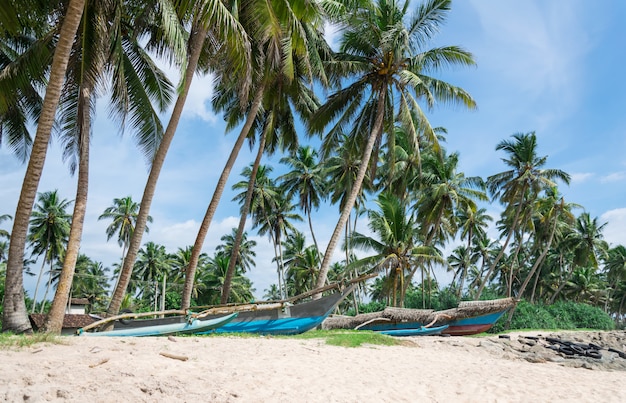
470 317
268 318
191 325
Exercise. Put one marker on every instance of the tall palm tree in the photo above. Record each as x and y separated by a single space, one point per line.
213 30
382 51
15 318
103 50
286 43
49 232
277 223
123 214
519 185
305 181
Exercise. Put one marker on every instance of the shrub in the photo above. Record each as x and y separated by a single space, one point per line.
562 315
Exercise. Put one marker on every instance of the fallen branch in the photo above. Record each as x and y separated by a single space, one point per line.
104 361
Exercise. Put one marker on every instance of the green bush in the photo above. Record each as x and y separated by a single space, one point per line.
562 315
580 315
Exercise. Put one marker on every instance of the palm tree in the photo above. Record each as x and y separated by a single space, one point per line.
552 210
123 213
444 192
382 49
277 223
213 29
305 181
14 317
397 245
461 261
586 241
520 185
153 265
287 50
48 234
211 282
246 253
136 81
4 233
616 271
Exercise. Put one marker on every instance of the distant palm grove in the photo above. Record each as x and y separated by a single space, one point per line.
367 149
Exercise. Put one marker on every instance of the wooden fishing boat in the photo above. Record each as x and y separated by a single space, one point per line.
470 317
270 318
147 328
421 331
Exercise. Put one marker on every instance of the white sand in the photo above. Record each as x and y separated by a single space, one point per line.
228 369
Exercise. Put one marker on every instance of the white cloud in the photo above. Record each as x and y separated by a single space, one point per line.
614 177
581 177
614 232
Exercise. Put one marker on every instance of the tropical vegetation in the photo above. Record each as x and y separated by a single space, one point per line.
405 209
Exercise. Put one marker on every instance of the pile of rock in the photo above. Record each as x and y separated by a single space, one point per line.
591 350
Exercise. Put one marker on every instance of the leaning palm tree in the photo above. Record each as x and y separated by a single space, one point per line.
382 51
14 313
102 51
213 30
517 187
288 50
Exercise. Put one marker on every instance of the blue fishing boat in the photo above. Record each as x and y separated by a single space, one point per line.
270 318
421 331
186 327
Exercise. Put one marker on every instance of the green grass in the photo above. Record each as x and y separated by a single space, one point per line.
9 340
342 338
350 338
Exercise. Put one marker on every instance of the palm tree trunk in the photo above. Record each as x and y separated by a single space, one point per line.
532 271
319 253
196 41
45 294
217 195
43 265
354 192
54 321
506 243
539 259
515 263
15 316
242 222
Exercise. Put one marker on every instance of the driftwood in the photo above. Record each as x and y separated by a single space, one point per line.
104 361
174 356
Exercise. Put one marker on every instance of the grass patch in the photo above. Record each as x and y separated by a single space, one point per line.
9 340
350 338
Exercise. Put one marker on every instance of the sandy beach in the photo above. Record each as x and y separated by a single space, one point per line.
266 369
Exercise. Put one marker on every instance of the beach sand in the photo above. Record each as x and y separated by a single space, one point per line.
266 369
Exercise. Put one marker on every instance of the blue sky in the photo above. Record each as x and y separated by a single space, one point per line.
549 66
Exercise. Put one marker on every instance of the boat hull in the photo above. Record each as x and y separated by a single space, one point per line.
421 331
151 329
